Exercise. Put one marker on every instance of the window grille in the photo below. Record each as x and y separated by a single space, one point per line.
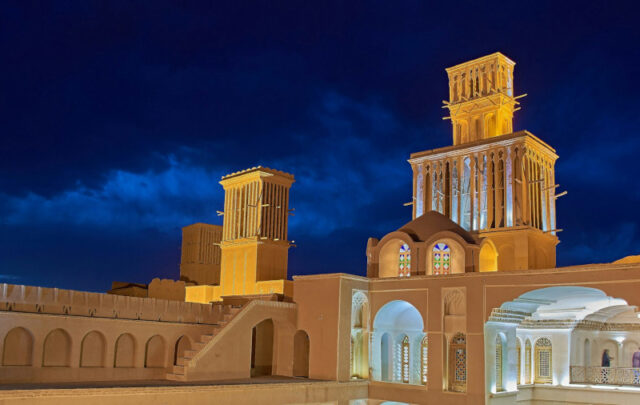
458 363
424 352
543 359
405 359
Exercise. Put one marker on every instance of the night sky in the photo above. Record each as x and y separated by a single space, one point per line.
118 119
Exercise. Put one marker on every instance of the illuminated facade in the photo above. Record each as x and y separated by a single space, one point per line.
254 242
494 182
461 305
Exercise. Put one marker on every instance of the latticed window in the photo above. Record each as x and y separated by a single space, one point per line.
527 362
405 359
441 259
404 265
498 364
458 363
424 355
543 361
519 360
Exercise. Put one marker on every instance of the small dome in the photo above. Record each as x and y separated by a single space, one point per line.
429 224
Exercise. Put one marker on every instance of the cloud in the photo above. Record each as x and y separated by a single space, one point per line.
163 200
340 173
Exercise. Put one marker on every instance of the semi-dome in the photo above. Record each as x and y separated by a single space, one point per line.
425 226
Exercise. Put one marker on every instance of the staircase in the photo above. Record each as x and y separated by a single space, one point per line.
179 370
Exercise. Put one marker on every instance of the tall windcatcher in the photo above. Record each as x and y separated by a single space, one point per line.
254 236
492 181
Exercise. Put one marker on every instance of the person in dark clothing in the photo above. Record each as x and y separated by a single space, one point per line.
606 358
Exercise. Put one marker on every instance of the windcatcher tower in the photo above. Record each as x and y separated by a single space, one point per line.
254 246
494 182
200 262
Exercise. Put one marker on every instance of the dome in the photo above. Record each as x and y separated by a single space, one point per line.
429 224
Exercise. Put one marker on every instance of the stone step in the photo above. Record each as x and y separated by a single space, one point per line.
206 338
176 377
179 370
198 346
182 361
190 353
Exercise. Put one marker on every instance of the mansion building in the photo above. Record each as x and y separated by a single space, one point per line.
463 304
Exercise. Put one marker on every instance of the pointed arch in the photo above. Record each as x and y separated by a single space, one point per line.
93 350
17 349
488 256
155 352
587 353
455 303
124 354
543 361
301 354
458 363
57 349
182 344
405 355
385 357
424 360
262 341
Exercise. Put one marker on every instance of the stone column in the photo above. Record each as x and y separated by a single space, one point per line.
514 187
498 190
522 158
472 192
490 189
481 176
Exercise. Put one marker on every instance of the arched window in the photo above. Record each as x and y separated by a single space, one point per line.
587 353
519 361
458 363
424 355
441 259
405 359
498 364
527 362
404 261
543 361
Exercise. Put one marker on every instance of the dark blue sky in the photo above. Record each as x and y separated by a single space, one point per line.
118 119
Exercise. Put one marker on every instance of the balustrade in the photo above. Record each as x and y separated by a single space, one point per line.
605 375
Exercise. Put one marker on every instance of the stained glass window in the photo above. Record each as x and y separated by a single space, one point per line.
405 359
424 352
404 265
441 259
